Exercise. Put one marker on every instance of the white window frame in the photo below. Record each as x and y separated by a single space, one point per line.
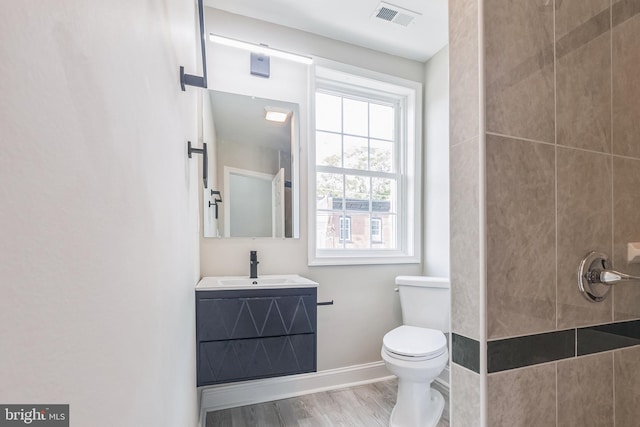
408 95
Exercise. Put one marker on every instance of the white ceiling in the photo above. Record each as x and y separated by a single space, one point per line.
351 21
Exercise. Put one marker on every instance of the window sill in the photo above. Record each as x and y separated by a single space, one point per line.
348 259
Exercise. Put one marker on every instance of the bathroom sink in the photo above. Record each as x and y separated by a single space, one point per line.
226 283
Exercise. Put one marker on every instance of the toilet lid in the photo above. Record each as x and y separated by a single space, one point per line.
413 341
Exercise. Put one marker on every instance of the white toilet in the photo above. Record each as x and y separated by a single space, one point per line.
416 352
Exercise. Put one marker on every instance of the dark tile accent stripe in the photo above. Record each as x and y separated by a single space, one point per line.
517 352
608 337
529 350
512 353
465 352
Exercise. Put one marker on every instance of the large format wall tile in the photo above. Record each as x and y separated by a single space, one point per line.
584 225
465 397
585 391
627 387
588 186
579 15
463 63
465 240
523 397
626 84
519 69
521 277
626 227
583 53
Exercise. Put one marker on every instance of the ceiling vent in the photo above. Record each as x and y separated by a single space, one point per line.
397 15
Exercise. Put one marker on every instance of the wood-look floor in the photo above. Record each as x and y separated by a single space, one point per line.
362 406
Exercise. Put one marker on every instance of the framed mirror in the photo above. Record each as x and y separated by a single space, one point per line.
253 190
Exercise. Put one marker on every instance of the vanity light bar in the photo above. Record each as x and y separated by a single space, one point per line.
261 49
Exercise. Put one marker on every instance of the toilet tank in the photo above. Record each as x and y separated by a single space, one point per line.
425 301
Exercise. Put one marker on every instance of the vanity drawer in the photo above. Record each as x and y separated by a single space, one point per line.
246 359
258 333
254 317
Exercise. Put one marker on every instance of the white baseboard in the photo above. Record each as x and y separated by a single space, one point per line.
257 391
443 378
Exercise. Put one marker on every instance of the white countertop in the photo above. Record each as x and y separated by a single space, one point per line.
279 281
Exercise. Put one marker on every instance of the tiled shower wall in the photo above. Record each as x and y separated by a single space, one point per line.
465 242
560 160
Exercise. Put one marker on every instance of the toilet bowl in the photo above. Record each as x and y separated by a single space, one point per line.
416 356
416 352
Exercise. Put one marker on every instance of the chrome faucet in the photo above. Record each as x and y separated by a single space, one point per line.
596 277
253 264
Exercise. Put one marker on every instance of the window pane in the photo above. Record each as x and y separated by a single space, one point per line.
329 185
328 230
382 156
360 232
328 112
381 121
356 152
356 117
383 195
328 149
357 188
388 230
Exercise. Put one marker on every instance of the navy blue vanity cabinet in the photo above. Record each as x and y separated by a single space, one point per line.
259 333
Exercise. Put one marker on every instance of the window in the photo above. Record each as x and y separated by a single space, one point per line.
376 230
364 170
345 228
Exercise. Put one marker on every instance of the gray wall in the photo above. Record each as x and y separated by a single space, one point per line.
562 178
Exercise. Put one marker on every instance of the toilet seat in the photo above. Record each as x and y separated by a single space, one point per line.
414 343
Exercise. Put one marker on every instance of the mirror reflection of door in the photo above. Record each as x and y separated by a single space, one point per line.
255 203
277 204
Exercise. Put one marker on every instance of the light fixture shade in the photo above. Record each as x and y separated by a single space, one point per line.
274 114
261 49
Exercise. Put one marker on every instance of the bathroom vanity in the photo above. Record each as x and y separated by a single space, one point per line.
255 328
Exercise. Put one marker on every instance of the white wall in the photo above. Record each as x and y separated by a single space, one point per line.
349 332
98 217
304 43
436 165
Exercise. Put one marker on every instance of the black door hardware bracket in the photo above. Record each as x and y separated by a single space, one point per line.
205 160
217 199
189 79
